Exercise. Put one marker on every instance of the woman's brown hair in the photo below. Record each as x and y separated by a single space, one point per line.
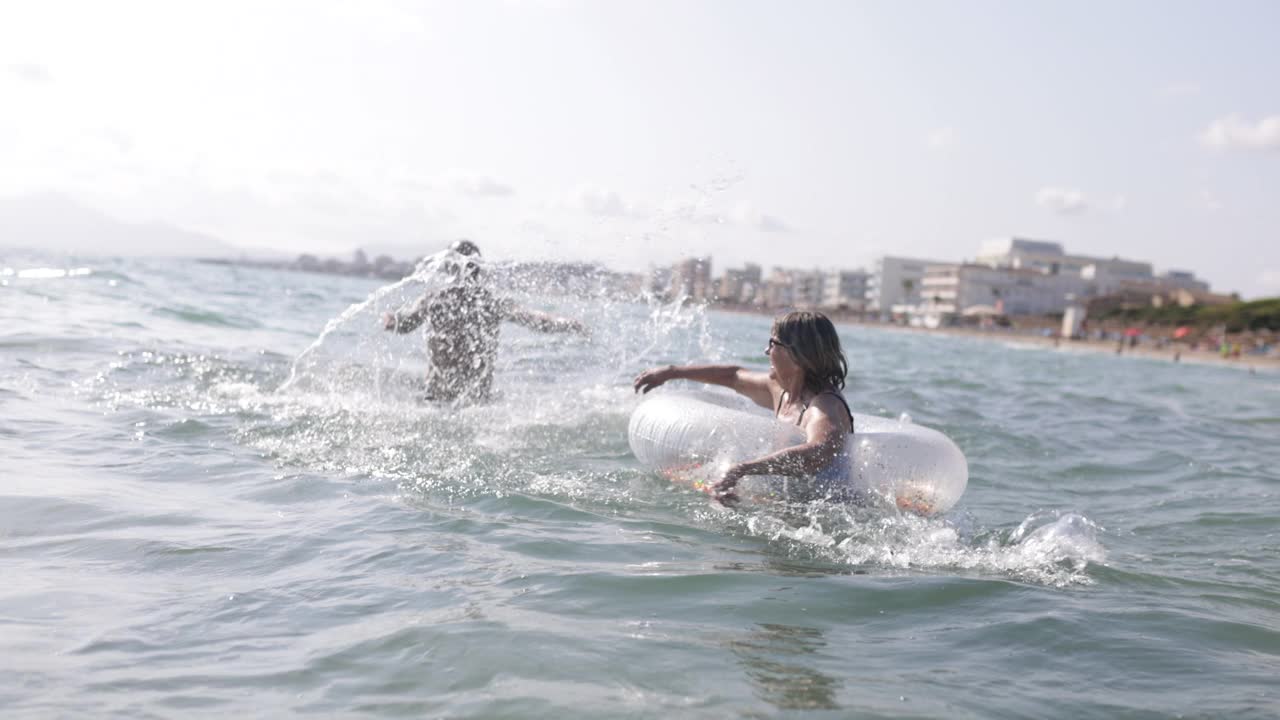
813 342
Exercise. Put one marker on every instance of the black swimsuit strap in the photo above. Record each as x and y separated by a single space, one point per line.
825 392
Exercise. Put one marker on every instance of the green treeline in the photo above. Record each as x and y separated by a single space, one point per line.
1237 317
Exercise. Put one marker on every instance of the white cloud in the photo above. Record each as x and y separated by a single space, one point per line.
693 213
602 202
940 138
1119 203
1233 132
1064 201
741 215
476 185
748 216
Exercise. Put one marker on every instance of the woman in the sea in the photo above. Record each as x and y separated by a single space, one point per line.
804 386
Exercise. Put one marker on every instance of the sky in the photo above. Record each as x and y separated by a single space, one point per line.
798 134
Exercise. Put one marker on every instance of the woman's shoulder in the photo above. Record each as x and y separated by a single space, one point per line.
829 399
833 404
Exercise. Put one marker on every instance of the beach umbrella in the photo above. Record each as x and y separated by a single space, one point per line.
1181 332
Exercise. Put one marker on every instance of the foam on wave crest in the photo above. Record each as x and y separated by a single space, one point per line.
1050 548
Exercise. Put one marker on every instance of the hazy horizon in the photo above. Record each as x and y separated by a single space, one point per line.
634 133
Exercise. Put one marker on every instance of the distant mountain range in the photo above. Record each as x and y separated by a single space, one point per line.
56 223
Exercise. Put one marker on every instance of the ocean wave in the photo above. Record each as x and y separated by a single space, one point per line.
45 273
202 316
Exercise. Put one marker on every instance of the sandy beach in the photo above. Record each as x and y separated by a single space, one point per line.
1173 352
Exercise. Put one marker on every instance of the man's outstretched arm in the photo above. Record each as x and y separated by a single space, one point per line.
405 322
540 321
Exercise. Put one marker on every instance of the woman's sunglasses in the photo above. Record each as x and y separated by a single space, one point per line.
775 342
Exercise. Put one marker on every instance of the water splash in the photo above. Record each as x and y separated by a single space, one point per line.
1054 549
432 274
556 430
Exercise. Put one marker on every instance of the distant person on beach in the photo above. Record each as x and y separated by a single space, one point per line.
464 321
804 385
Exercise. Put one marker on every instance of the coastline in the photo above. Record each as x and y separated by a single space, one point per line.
1173 353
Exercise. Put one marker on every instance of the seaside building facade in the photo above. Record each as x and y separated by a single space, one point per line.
778 290
1018 276
1173 281
1010 276
976 289
1183 280
790 287
691 279
1102 276
739 285
806 288
893 287
845 289
1023 253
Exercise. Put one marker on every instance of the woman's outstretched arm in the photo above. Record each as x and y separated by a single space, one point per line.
754 385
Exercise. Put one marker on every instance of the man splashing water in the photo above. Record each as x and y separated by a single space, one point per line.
464 320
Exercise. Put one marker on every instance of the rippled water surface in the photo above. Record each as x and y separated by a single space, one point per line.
184 533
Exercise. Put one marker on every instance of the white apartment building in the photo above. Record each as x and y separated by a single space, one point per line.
786 287
691 278
894 284
1168 282
1184 280
1103 276
950 290
739 285
778 289
806 288
845 289
1022 253
659 283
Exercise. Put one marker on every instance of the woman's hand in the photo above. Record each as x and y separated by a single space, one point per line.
723 490
389 321
654 377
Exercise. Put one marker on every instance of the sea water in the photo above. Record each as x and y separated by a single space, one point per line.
195 522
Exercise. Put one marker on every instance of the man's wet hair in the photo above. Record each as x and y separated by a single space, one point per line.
469 269
465 247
